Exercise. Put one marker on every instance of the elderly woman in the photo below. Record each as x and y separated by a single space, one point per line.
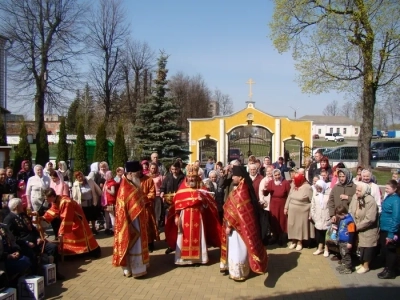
364 210
375 191
35 188
48 168
320 215
297 208
26 172
87 194
64 171
390 229
278 189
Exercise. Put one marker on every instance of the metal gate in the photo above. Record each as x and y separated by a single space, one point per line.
207 148
244 141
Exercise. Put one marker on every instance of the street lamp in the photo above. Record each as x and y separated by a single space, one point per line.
249 127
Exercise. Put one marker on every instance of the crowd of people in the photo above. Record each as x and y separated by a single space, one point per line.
238 209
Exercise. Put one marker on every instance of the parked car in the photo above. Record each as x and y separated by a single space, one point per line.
334 137
382 145
342 153
390 154
315 136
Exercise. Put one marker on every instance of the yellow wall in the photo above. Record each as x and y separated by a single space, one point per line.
199 128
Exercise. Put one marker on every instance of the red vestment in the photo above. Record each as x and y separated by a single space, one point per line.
130 205
187 200
239 213
149 191
77 235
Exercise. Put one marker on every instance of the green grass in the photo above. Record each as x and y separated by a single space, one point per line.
382 176
323 143
53 151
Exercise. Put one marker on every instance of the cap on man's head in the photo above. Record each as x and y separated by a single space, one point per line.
133 166
239 171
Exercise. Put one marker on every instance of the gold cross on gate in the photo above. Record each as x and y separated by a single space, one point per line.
250 82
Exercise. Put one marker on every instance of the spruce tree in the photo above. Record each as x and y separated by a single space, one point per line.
23 151
120 155
62 147
157 129
3 133
73 115
80 161
101 151
42 148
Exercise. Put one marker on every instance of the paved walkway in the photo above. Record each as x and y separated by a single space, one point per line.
291 275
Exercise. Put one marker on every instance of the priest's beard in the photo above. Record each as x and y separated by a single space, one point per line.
136 181
193 184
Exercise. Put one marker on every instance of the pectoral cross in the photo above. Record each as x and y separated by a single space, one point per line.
250 82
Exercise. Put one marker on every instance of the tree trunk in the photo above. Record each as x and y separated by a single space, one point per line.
39 109
364 139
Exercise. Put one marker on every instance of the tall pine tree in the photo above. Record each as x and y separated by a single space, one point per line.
23 151
157 129
80 161
73 116
101 151
62 153
42 148
120 156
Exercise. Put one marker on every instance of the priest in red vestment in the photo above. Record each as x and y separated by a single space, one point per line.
74 233
192 221
130 230
242 249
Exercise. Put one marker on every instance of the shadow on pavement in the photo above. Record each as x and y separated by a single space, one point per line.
364 293
278 264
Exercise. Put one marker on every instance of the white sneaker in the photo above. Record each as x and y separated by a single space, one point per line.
358 267
318 252
299 247
292 246
362 270
326 253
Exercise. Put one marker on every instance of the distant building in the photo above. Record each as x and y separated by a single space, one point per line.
333 124
51 123
213 109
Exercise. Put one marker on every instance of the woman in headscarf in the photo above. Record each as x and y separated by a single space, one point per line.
87 193
25 171
278 189
320 214
35 189
108 202
48 168
375 191
297 208
61 188
364 210
145 166
64 171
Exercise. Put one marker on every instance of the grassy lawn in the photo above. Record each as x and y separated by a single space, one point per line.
53 151
382 176
323 143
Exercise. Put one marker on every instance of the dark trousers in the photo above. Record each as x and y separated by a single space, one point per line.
55 224
388 252
346 255
320 236
32 254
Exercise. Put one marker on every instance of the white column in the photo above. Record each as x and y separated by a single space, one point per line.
277 140
222 143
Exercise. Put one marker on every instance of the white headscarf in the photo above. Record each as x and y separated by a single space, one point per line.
322 184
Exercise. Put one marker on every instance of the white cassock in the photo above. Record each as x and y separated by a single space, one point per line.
203 259
237 260
134 262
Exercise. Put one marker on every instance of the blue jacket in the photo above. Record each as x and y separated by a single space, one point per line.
390 216
346 229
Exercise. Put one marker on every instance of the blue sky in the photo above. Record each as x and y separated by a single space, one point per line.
227 43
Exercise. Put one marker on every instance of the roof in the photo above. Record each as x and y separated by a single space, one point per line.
330 120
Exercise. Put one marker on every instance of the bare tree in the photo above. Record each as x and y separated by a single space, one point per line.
107 35
46 39
332 109
224 101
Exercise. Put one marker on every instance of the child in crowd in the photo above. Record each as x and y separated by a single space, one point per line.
346 231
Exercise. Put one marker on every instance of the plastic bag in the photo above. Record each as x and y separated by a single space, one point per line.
332 234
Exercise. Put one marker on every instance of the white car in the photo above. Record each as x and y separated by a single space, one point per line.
334 137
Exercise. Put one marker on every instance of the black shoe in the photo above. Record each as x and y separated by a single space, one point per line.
169 250
272 241
151 247
387 275
384 271
94 231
